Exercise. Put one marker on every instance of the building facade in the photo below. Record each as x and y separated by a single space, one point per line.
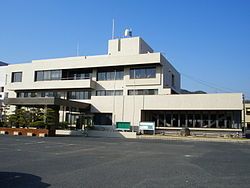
2 83
247 114
132 83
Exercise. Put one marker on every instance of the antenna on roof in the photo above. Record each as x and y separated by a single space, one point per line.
113 29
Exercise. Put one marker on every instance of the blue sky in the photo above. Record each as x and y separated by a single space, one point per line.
208 41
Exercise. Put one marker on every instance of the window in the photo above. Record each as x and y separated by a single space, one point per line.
26 94
1 89
39 76
114 74
143 92
48 75
79 94
248 111
102 119
56 75
16 77
100 93
148 72
108 92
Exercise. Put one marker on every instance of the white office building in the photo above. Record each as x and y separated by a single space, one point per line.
131 83
2 83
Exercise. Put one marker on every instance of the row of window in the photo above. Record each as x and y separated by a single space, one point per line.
143 92
110 75
114 74
137 73
39 94
108 92
85 94
61 75
70 94
48 75
79 95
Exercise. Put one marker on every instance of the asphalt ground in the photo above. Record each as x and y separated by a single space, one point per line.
105 162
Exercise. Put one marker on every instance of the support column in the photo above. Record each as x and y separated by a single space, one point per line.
158 121
171 119
201 125
225 122
233 122
194 120
209 120
164 121
179 120
186 120
217 121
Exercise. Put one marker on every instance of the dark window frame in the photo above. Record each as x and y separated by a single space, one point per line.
15 78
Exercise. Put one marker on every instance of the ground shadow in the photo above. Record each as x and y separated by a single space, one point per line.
21 180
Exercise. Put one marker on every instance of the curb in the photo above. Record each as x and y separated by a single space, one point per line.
225 140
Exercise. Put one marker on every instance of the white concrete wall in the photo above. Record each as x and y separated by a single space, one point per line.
2 80
128 46
130 56
128 108
168 70
247 117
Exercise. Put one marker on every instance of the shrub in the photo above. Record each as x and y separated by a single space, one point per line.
63 125
38 124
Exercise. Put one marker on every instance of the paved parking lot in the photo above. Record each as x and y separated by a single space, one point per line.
98 162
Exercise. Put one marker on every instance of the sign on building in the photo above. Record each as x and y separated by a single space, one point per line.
147 126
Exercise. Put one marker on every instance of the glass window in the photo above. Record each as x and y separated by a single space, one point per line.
148 72
20 94
119 75
118 92
101 76
108 92
248 111
110 75
143 92
79 94
39 76
102 119
16 77
56 75
100 93
47 75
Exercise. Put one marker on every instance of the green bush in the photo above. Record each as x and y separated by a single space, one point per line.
63 125
38 124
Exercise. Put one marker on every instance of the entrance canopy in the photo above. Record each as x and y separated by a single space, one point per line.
42 101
